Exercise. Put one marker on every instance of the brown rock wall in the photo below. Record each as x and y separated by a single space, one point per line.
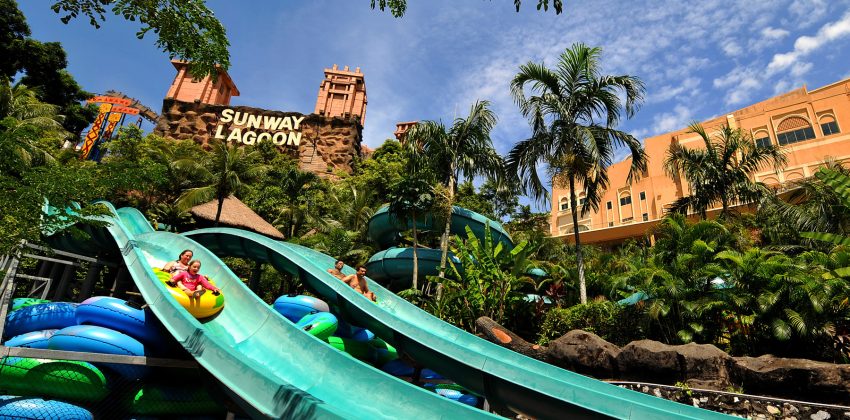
327 144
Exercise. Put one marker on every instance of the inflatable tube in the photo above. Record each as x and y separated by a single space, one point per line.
358 349
205 307
321 325
33 340
43 316
94 339
119 315
346 330
392 267
12 407
159 400
384 353
294 308
399 367
64 379
454 392
20 303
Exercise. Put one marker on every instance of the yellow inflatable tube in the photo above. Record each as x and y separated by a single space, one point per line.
207 306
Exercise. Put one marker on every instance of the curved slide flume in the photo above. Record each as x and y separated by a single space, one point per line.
393 266
277 369
509 381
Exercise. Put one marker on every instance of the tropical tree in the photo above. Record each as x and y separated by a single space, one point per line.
462 150
574 110
412 197
224 171
720 173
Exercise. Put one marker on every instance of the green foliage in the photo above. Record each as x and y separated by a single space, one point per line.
399 7
573 111
608 320
489 283
720 173
185 29
43 65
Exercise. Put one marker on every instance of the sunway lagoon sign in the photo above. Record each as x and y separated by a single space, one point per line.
241 128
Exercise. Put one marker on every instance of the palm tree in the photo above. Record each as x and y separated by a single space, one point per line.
574 111
26 122
721 172
224 171
464 149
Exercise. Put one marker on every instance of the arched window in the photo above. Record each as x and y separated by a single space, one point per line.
794 129
828 125
762 139
583 228
564 204
625 199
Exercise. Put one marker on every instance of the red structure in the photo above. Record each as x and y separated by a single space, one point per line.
186 88
342 94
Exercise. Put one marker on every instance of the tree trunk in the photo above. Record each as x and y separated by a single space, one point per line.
505 338
415 257
444 241
582 287
218 211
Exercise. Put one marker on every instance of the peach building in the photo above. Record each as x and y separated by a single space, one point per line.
811 125
401 129
342 94
186 88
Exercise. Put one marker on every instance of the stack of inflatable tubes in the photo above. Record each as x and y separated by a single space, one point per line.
204 307
312 315
97 325
12 407
63 379
20 303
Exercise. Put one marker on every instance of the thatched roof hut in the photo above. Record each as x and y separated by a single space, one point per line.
235 214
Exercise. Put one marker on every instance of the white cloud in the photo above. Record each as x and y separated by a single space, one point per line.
731 48
774 33
805 45
801 69
688 88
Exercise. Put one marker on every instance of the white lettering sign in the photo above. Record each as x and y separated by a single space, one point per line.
282 131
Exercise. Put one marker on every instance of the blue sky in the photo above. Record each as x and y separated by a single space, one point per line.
699 61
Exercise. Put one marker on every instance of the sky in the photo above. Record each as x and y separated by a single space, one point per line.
697 59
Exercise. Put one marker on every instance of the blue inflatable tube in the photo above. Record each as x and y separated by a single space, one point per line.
12 407
118 315
294 308
398 367
94 339
346 330
33 340
44 316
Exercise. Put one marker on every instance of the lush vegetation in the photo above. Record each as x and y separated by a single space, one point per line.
772 281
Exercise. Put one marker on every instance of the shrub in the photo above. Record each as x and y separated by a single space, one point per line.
606 319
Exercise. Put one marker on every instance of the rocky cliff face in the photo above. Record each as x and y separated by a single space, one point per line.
327 145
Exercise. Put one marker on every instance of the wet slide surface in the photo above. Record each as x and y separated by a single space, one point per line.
276 369
509 381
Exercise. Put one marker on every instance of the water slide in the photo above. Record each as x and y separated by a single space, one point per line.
275 369
509 381
393 266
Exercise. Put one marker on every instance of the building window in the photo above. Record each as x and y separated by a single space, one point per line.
642 195
646 217
565 204
829 128
795 136
581 201
610 224
628 219
625 200
609 205
763 142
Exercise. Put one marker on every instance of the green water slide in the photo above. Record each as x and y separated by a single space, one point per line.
509 381
275 369
393 266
